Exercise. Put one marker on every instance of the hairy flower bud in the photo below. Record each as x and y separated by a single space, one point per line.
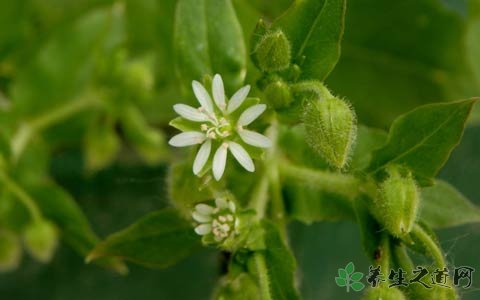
384 293
41 240
331 129
277 93
396 205
272 52
10 251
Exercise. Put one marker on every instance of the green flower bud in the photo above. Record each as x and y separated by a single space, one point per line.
101 145
277 94
396 205
138 79
10 251
331 129
272 52
384 293
41 240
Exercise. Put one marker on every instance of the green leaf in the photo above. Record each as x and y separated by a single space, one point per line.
242 287
208 39
356 276
314 29
340 281
357 286
423 139
342 273
278 267
158 240
350 268
391 64
444 206
59 207
368 140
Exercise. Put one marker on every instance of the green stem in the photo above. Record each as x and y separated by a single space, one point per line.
430 244
22 196
262 273
27 130
341 184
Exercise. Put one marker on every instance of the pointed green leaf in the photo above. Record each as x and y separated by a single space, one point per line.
314 29
158 240
356 276
357 286
342 273
444 206
350 268
208 39
340 281
423 139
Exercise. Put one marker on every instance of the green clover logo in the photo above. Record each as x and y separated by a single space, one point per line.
349 278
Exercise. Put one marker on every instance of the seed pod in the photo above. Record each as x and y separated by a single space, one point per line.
384 293
272 52
41 240
396 205
277 94
331 129
10 251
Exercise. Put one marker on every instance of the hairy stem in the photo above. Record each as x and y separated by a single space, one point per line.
22 196
341 184
433 249
262 273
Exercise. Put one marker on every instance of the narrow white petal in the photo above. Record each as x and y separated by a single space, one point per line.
218 91
241 155
187 139
202 96
231 205
204 209
238 98
219 161
221 203
201 217
189 113
202 157
203 229
255 139
251 114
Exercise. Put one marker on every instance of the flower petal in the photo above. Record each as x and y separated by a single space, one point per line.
204 209
218 91
255 139
189 113
202 157
201 217
203 229
219 161
238 98
242 156
202 96
187 138
251 114
221 203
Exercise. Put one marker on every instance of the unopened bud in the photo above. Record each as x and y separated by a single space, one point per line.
397 203
331 129
41 240
10 251
272 52
384 293
277 94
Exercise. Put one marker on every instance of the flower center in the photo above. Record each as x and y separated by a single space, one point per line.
223 225
218 129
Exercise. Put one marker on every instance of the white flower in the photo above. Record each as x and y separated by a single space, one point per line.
220 222
217 125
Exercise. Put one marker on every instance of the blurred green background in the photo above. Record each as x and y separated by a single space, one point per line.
396 55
